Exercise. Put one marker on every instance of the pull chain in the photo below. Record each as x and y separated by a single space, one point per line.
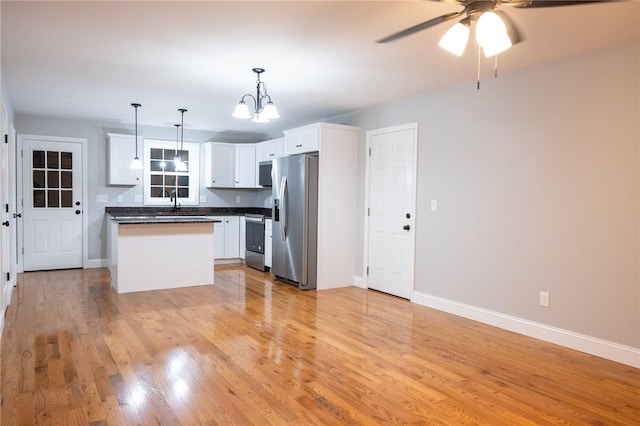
495 67
478 87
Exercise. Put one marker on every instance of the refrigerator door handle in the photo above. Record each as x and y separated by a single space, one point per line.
284 207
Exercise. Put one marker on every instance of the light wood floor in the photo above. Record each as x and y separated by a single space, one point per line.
250 351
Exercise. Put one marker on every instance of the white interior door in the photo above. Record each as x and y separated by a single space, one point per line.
392 200
52 210
4 216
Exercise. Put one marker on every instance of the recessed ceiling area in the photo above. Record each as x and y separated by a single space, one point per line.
92 59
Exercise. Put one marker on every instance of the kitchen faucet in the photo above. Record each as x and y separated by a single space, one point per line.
174 199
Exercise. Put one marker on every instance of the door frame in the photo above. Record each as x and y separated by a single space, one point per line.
367 188
20 190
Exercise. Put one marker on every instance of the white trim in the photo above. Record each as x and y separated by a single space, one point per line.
591 345
85 182
96 263
359 282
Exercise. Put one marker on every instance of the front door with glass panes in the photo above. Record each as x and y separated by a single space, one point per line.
52 198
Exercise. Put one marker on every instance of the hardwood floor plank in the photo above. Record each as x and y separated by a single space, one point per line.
249 350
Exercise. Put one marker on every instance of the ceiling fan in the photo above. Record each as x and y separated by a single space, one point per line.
495 31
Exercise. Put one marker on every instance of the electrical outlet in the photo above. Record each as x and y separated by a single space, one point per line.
544 299
203 198
120 198
434 205
138 198
238 199
102 198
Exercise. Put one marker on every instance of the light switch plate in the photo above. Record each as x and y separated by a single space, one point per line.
434 205
102 198
238 198
120 198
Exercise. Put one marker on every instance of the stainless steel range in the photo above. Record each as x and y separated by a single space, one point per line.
254 241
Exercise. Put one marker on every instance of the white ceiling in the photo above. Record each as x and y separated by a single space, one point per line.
92 59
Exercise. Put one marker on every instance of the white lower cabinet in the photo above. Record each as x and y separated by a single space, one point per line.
232 237
226 237
218 238
243 233
267 242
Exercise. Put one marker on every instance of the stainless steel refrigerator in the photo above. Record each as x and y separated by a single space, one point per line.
295 220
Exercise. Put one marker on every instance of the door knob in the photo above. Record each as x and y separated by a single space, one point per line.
406 227
78 212
6 223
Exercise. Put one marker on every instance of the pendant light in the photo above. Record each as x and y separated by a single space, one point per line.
181 166
136 163
177 160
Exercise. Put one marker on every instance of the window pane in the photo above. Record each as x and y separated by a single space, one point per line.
156 179
157 166
156 192
184 155
183 192
38 178
53 160
171 166
66 160
67 198
156 154
53 179
38 198
53 198
183 180
169 180
38 159
67 179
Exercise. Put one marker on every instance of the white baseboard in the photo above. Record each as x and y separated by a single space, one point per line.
591 345
359 282
96 263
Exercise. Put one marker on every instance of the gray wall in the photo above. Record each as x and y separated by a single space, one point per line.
95 132
537 181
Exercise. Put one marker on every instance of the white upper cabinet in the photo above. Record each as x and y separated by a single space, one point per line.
121 150
302 139
220 161
245 171
230 165
268 150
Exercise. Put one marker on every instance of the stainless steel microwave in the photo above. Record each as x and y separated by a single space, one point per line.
264 173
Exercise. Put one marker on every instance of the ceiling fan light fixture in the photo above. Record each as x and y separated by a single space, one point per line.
456 38
491 34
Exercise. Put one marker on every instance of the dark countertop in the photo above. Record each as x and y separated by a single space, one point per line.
137 220
185 211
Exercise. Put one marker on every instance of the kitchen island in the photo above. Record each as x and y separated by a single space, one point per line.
160 252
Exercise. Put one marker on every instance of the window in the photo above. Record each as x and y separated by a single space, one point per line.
162 180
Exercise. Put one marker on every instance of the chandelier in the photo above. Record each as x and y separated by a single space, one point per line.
262 113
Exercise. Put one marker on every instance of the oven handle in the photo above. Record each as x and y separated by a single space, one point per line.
254 219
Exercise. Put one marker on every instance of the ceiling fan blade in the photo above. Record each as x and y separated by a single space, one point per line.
512 30
423 26
529 4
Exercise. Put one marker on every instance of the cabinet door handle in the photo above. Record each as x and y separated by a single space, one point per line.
6 223
298 146
406 227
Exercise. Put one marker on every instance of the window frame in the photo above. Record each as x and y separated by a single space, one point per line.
194 172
